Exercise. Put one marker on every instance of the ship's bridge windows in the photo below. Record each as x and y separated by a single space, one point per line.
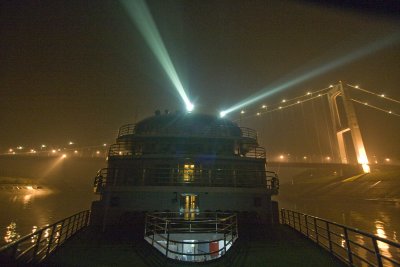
188 172
189 206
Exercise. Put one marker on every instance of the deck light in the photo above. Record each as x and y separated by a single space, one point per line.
141 16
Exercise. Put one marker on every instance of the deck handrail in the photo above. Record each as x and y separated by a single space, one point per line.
212 131
128 150
35 247
351 245
161 225
177 177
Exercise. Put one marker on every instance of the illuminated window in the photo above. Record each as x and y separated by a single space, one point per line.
188 172
189 206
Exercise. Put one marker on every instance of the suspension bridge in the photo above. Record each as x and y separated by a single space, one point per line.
340 124
332 125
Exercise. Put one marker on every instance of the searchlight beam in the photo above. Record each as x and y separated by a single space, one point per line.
140 14
354 55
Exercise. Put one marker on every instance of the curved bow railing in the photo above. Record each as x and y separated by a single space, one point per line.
213 233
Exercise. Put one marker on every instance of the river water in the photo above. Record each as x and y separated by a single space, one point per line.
24 209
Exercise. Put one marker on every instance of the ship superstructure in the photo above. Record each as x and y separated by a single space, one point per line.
195 187
186 166
184 162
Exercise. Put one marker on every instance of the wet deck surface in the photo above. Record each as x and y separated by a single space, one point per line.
281 246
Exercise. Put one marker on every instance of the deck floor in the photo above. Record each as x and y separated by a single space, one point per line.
282 246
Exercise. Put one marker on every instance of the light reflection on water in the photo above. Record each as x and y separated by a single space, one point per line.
11 233
25 210
359 250
380 231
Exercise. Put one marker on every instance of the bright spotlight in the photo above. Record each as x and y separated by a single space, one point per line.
222 114
189 107
141 16
64 156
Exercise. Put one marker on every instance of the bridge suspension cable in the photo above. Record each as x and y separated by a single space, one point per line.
285 103
375 107
372 93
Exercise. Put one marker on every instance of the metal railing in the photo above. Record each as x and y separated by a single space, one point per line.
127 129
352 246
212 131
181 177
128 149
33 248
256 152
166 232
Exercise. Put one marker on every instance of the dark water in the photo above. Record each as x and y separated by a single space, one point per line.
24 210
67 189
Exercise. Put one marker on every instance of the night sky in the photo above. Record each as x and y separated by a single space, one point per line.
77 70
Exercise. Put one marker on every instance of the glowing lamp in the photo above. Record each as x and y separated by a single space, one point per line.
189 107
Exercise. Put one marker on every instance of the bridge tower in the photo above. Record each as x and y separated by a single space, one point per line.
352 125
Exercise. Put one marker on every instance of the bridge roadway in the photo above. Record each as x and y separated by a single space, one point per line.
299 164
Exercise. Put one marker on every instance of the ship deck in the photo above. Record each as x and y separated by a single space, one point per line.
279 246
